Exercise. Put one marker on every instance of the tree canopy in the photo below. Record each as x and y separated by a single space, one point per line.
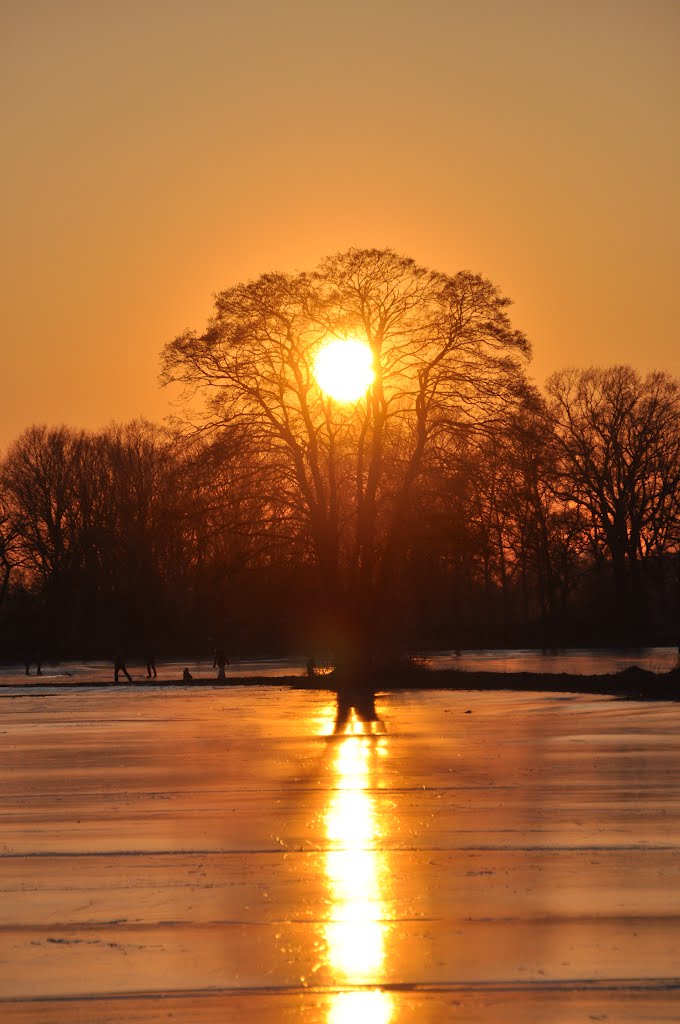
618 439
450 505
447 361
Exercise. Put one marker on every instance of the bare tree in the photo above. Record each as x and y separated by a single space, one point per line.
445 356
619 444
542 552
39 475
516 542
10 530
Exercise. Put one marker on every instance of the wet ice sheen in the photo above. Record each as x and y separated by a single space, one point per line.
216 855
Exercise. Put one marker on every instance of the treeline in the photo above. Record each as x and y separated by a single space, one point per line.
558 523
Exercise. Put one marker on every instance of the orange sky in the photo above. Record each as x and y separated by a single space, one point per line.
156 151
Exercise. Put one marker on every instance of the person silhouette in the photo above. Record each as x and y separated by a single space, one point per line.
187 676
118 667
220 662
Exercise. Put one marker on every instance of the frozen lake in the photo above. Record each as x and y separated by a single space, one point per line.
216 855
574 661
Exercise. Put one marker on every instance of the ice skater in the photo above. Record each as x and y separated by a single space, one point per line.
118 667
220 662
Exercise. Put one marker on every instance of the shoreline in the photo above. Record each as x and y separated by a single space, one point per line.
631 683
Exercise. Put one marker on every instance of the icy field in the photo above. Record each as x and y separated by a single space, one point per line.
215 855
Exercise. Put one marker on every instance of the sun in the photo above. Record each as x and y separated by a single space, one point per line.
344 369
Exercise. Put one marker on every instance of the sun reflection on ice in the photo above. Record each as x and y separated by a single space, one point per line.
361 1008
355 873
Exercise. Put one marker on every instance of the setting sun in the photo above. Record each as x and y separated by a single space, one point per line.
344 369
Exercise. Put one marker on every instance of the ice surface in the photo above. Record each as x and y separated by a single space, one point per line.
216 855
574 661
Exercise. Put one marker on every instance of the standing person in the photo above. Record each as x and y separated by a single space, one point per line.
220 662
150 666
119 666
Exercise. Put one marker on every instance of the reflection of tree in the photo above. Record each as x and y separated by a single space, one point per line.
356 711
446 358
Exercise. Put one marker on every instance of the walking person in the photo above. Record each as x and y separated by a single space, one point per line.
118 667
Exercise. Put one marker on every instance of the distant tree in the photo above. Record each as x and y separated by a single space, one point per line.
123 497
538 532
618 438
344 478
40 475
517 540
10 529
86 514
226 525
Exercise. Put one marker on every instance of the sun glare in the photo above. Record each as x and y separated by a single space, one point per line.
344 369
356 932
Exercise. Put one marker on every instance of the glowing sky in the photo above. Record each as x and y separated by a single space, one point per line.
156 151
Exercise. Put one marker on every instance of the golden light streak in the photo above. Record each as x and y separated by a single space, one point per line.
325 719
355 872
361 1008
343 369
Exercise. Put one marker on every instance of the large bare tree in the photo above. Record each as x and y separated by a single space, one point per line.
446 359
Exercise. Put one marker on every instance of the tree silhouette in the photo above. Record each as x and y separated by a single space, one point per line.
344 477
618 438
10 530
